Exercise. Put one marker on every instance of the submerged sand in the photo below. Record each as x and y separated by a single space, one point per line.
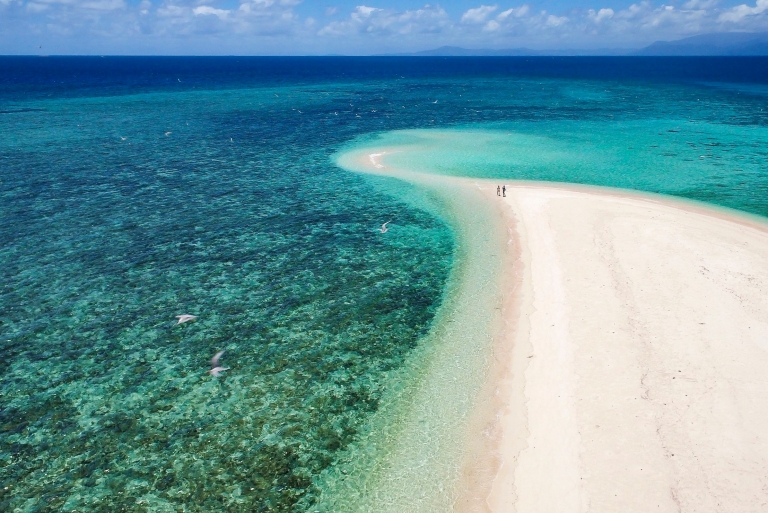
637 377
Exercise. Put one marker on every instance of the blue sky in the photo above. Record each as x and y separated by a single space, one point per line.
359 27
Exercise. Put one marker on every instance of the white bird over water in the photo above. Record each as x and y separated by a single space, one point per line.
384 228
168 133
217 369
185 318
123 138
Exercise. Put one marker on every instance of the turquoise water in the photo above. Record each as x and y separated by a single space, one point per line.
107 404
241 215
715 162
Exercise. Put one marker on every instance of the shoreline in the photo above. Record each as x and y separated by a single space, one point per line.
411 455
513 412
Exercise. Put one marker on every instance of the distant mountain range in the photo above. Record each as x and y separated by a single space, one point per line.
455 51
729 43
720 44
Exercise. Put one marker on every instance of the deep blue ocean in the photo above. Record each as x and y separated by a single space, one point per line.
135 189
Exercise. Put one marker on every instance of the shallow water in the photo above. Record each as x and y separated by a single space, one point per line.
240 215
708 161
411 454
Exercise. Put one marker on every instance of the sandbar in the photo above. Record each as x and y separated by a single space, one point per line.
629 367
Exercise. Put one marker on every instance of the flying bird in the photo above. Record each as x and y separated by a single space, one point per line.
434 101
217 369
168 133
185 318
123 138
384 228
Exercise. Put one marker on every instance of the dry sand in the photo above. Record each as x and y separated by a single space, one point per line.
638 378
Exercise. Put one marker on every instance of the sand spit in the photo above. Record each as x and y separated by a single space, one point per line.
629 368
639 372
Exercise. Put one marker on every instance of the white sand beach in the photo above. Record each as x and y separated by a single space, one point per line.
630 363
638 378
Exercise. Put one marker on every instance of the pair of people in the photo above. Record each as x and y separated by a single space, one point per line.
501 191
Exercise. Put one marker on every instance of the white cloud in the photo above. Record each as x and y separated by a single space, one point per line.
601 15
521 22
207 10
256 17
700 4
514 12
556 21
508 20
363 11
635 26
140 21
743 12
385 22
479 14
372 28
660 22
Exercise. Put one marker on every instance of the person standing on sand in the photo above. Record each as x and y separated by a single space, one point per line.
504 191
498 191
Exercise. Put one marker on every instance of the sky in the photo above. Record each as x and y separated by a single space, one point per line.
357 27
